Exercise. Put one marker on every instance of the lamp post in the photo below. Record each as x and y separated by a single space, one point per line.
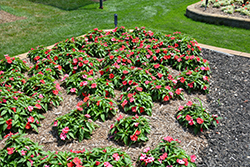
115 19
101 6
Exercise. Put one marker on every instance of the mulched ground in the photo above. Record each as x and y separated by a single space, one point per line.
218 11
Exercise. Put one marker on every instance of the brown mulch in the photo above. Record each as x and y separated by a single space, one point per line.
6 17
163 123
218 11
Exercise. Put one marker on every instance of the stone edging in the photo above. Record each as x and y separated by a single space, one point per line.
226 51
198 15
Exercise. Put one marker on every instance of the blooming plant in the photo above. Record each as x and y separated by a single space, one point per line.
96 86
194 115
167 153
18 112
97 107
12 79
130 130
47 65
43 87
136 101
74 125
243 7
13 63
21 151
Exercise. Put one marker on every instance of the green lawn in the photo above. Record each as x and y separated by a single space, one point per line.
51 21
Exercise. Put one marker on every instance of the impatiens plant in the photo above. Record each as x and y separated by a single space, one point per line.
74 125
136 101
21 151
12 79
13 63
130 130
47 65
97 107
194 115
18 112
96 86
43 87
166 154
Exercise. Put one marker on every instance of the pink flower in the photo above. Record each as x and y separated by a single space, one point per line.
116 156
65 130
93 85
179 116
205 87
107 164
168 139
111 126
133 109
180 108
189 103
63 136
73 90
30 108
124 103
143 156
56 123
16 98
87 115
31 119
180 161
23 152
40 96
158 86
10 150
146 149
38 106
188 117
199 120
191 122
193 158
84 83
132 99
119 118
139 89
136 124
146 82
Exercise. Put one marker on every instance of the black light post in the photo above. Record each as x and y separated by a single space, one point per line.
115 17
101 6
206 4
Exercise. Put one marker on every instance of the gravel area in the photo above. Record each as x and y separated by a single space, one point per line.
229 143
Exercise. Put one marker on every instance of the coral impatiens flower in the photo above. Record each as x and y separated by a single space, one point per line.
200 120
10 150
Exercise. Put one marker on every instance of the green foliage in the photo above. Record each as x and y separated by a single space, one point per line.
130 130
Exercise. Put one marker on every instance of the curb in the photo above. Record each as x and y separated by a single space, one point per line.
225 51
198 15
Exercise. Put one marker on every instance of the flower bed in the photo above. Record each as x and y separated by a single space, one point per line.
133 62
241 6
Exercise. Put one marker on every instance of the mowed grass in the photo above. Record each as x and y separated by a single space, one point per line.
49 22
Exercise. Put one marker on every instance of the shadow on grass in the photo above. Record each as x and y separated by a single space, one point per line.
67 5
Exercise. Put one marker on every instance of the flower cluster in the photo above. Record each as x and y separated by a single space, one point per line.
130 130
194 115
136 101
243 7
75 124
24 152
167 153
97 107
